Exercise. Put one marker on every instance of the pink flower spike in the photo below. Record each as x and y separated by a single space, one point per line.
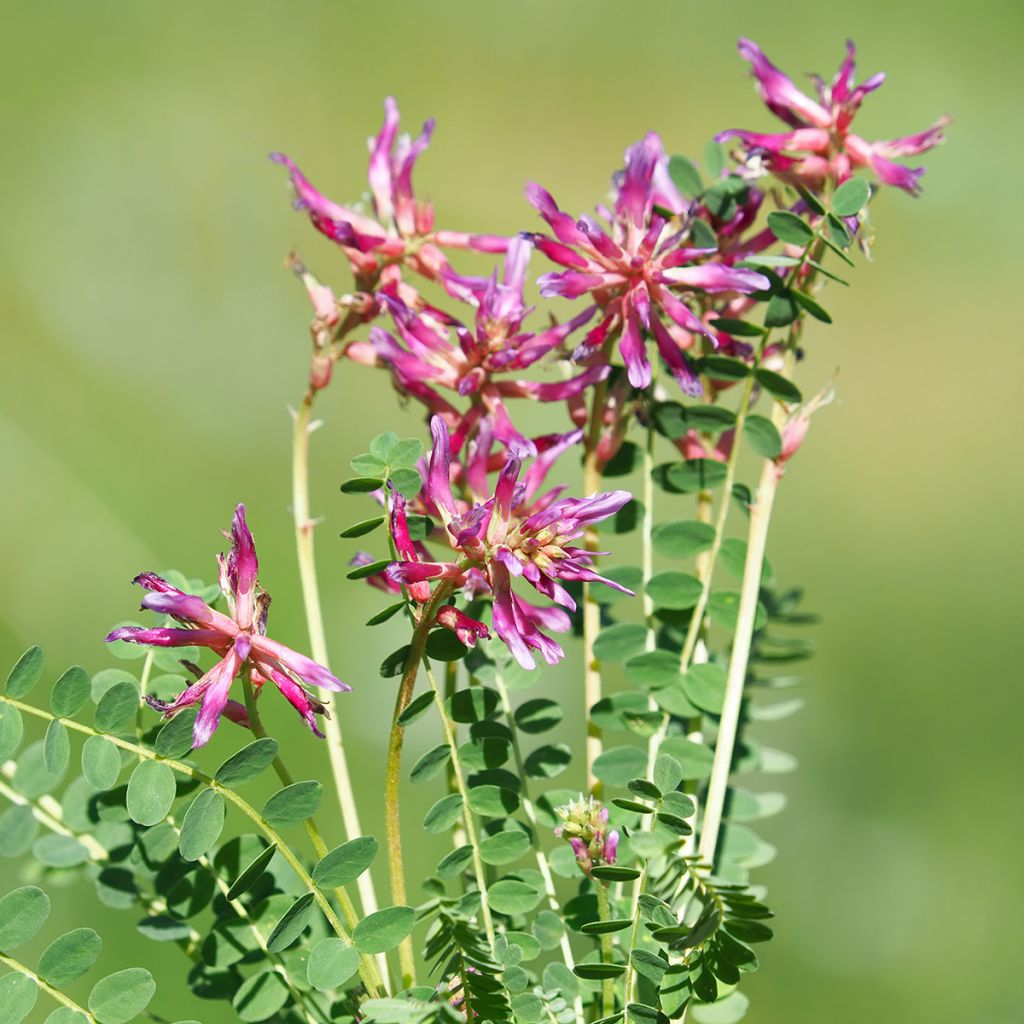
238 640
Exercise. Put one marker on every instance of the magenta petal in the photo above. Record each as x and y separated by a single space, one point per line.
381 183
717 277
215 699
160 636
634 355
439 471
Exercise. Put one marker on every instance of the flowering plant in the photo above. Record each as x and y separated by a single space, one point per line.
596 885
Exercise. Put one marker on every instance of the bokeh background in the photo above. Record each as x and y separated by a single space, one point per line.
152 341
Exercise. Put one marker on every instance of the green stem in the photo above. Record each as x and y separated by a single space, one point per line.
312 830
393 769
43 986
467 815
314 619
228 794
634 936
607 984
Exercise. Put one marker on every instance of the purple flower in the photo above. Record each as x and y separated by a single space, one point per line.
820 147
636 271
238 639
493 541
433 350
402 228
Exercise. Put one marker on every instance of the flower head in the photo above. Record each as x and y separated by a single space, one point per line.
238 639
401 230
636 271
435 351
493 541
820 146
585 827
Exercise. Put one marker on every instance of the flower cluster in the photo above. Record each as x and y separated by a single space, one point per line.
238 639
585 827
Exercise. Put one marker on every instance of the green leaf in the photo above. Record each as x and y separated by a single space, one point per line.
70 692
725 368
537 716
618 765
738 328
654 669
705 686
595 972
416 708
369 465
548 761
293 804
628 518
850 197
151 791
431 764
361 528
22 913
687 477
394 663
101 762
613 873
248 763
444 645
788 227
360 572
175 738
260 997
384 929
675 590
345 863
406 453
292 924
385 613
25 674
202 825
361 485
694 758
682 539
476 704
511 896
609 712
618 642
777 385
32 777
18 830
12 729
685 176
443 814
65 1015
714 159
668 773
407 482
18 995
782 309
649 965
606 927
252 872
56 747
493 801
747 931
382 445
455 862
813 307
119 997
728 1010
116 709
331 963
66 959
505 847
628 576
57 851
763 437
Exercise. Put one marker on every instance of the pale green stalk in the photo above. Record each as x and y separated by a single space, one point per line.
43 986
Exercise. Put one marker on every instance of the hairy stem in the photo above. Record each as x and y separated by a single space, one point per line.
317 639
393 769
607 984
467 815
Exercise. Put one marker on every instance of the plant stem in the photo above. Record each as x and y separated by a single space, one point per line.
591 609
232 797
467 814
43 986
634 935
317 639
393 769
531 816
607 984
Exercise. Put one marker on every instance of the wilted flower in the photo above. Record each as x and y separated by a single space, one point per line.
585 827
402 227
492 544
239 640
433 350
798 422
820 146
633 271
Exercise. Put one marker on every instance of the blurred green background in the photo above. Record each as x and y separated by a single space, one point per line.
152 341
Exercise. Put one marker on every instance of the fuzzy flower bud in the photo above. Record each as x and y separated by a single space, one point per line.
585 827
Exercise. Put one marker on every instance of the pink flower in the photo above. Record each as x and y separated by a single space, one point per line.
636 271
402 228
434 351
491 543
238 639
585 828
820 147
